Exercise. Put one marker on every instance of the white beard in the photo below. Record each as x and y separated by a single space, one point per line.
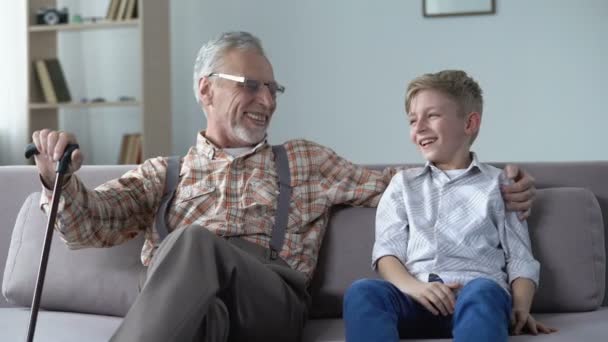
249 136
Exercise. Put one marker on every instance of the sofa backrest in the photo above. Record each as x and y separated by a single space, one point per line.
566 228
345 254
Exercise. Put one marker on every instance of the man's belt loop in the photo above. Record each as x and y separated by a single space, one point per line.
272 254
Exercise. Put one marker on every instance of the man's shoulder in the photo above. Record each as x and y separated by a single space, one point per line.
307 149
303 144
156 168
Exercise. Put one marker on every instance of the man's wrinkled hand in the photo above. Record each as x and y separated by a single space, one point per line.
51 145
520 194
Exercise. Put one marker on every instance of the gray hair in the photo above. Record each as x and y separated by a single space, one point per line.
210 55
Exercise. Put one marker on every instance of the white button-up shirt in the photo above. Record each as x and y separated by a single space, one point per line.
457 228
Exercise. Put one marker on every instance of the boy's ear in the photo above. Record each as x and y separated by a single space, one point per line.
472 123
205 93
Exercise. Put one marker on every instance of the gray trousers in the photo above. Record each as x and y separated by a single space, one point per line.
201 287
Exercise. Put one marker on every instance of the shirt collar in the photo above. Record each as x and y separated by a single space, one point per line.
429 167
207 148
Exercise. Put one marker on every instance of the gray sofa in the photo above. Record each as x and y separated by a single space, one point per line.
87 291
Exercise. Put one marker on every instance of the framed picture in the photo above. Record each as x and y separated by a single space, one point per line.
444 8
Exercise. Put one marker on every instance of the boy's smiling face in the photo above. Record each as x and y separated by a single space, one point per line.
439 129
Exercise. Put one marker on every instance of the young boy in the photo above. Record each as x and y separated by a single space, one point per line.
454 262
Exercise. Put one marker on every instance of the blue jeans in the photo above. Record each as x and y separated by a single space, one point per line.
375 310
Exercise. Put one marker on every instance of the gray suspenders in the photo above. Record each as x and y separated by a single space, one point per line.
280 220
160 221
282 215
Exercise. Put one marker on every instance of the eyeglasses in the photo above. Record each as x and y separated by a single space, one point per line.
252 85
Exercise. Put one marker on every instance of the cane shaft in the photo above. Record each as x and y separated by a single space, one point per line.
44 259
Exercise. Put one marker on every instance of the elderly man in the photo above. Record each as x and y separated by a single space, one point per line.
244 232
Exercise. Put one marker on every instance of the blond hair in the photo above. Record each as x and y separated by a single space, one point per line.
454 83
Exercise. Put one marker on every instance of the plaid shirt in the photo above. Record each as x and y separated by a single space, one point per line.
229 196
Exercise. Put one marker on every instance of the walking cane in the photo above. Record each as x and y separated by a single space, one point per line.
62 168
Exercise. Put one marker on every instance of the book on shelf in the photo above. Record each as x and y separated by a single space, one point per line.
62 92
44 81
139 149
135 14
131 149
122 10
52 81
112 9
130 11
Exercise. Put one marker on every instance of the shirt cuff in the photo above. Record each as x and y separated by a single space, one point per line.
380 252
46 196
529 269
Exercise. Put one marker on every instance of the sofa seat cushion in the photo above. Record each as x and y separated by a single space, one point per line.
67 327
54 326
580 326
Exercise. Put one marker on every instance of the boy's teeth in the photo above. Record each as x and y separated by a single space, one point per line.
425 142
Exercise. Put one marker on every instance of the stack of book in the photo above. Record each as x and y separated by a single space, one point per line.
52 81
131 149
122 10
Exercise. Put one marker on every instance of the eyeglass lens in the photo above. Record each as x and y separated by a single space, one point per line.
254 86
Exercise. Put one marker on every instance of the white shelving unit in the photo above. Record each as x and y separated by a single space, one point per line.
154 99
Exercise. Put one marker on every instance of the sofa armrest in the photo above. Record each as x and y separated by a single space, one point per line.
17 183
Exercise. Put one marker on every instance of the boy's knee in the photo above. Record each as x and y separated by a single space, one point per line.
357 292
362 287
366 291
483 286
482 291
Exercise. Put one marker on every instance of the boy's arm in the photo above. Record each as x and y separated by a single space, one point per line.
515 241
523 292
392 231
523 273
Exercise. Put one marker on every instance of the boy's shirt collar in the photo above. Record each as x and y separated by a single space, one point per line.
430 167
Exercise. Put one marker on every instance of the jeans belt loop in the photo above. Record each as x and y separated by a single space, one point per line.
272 253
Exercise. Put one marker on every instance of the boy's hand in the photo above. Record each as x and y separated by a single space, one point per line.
519 195
521 319
436 297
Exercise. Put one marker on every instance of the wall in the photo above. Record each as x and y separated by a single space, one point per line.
12 83
346 63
